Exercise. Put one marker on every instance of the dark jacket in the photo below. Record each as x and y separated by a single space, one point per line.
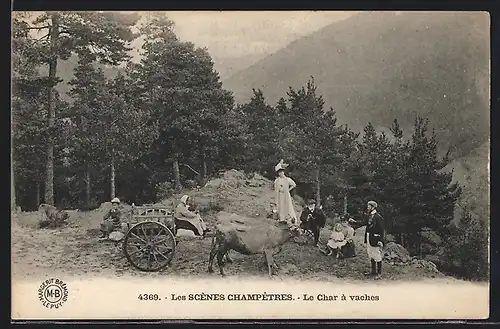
115 215
315 218
374 225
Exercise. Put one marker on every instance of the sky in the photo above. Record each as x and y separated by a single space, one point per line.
236 39
228 34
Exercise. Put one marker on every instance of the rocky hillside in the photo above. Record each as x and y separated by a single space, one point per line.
380 66
233 191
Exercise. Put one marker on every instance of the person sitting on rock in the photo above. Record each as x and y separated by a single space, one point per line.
186 219
273 212
336 242
348 250
111 220
312 219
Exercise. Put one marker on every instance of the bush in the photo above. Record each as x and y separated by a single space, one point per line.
164 190
466 248
214 206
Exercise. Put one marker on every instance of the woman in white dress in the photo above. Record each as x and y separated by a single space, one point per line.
282 187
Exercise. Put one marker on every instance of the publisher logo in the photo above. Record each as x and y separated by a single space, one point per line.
53 293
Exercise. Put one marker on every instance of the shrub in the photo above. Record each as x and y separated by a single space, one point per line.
164 190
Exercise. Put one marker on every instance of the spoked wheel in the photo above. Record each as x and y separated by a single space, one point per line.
149 246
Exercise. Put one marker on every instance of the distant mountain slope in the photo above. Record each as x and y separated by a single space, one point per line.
65 71
380 66
472 173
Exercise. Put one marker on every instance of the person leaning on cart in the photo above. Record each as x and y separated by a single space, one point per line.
111 222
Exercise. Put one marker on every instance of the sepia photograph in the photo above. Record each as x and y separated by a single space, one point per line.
177 165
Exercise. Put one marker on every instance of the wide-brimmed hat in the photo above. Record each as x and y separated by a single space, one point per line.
372 203
115 200
184 198
280 166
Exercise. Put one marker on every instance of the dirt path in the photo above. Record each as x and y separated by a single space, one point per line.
76 250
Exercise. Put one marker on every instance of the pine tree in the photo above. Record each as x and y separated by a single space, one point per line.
263 126
466 247
430 193
95 35
313 136
28 124
183 90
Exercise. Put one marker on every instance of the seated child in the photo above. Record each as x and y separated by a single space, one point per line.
349 249
337 241
272 212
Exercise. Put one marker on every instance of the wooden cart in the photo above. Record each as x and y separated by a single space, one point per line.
149 244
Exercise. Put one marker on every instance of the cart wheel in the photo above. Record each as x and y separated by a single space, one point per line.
149 246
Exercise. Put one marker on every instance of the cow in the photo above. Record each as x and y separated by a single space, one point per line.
263 237
51 217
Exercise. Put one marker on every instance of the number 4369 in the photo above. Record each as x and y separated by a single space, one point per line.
148 297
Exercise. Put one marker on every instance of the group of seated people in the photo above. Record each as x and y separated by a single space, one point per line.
313 220
341 243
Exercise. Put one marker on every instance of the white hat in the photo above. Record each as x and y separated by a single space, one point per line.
184 198
115 200
372 203
280 166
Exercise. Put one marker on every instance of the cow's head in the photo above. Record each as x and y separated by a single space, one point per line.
290 226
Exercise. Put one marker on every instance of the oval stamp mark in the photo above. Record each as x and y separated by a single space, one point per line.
53 293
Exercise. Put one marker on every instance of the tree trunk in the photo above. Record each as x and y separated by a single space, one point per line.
177 175
49 175
318 187
203 172
87 185
113 191
37 196
345 204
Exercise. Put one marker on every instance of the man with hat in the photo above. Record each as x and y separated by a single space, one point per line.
108 226
312 219
374 237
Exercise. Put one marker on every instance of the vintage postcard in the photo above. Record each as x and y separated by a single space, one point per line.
250 165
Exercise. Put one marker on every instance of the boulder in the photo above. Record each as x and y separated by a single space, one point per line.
396 253
116 236
431 237
390 238
422 263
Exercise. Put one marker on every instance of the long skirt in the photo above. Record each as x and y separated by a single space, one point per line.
197 222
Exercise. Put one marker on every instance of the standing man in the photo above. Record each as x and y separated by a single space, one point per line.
374 238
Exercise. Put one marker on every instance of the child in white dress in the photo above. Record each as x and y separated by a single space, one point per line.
337 241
